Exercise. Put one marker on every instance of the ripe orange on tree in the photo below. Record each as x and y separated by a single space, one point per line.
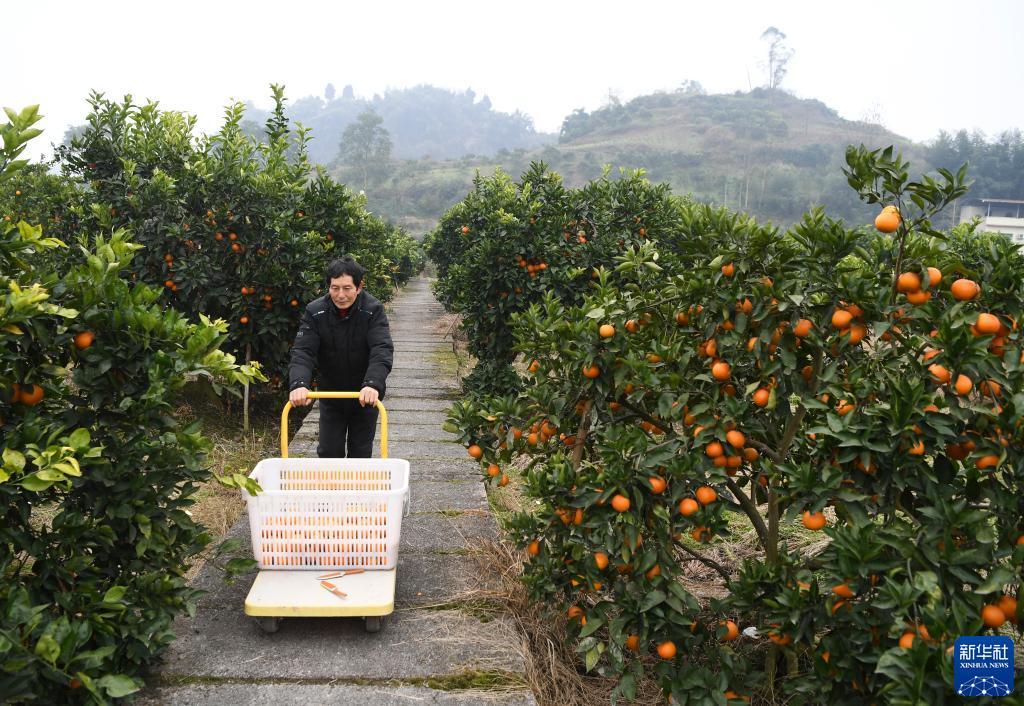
814 520
620 503
688 506
965 289
475 451
84 339
706 495
667 649
888 220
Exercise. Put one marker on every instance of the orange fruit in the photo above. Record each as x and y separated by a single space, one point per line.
533 548
814 520
653 572
843 590
658 484
706 495
465 230
992 616
802 328
493 470
888 220
963 385
965 290
841 319
714 449
1008 604
688 506
761 396
732 631
475 451
591 371
504 481
701 534
934 276
917 449
990 388
31 395
84 339
843 408
682 318
750 454
633 643
987 323
728 269
919 297
908 282
632 326
857 332
620 503
939 373
574 612
721 370
987 461
907 640
736 439
667 649
601 560
606 331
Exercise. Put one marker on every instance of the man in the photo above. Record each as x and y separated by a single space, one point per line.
344 336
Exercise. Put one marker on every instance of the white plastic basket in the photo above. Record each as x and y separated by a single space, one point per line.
328 513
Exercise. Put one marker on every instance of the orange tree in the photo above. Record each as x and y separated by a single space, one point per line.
234 226
508 243
868 386
96 474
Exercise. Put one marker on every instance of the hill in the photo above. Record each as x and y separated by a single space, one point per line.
765 152
423 121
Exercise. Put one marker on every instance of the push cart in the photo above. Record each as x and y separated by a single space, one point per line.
325 533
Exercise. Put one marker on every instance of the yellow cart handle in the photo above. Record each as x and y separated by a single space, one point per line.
335 396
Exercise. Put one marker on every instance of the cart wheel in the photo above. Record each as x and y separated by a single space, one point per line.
268 624
373 623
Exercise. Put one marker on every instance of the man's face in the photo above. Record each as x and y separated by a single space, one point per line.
343 292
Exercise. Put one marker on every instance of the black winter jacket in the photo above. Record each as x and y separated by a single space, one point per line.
346 354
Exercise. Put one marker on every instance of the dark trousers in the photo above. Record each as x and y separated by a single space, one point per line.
344 423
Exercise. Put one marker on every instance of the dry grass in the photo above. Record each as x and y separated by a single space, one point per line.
234 451
553 672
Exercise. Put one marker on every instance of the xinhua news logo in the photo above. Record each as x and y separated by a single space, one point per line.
983 666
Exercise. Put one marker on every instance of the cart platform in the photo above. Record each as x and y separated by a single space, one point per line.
298 594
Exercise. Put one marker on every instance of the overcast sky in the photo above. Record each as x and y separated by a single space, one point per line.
918 66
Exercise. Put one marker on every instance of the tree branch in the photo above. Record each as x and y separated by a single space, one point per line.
707 562
751 509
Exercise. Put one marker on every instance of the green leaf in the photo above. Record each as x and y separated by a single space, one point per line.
48 649
79 440
652 599
595 313
115 594
34 483
14 460
591 658
118 685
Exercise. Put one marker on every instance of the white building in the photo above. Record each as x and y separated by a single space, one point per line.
1004 216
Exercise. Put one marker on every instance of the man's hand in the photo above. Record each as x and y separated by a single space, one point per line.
368 396
299 397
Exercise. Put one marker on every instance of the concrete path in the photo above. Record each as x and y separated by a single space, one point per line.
439 646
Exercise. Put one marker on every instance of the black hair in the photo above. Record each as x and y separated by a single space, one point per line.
345 266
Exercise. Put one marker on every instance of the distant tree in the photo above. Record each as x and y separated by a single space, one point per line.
347 94
72 132
689 87
778 56
366 146
329 92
